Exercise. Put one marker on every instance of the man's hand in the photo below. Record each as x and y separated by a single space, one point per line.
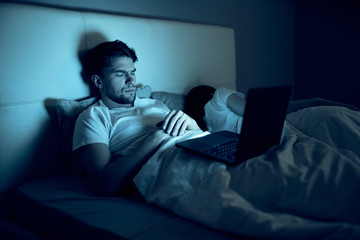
176 122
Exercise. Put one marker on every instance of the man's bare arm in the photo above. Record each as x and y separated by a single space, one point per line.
111 178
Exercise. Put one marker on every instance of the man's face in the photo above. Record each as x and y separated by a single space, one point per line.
119 81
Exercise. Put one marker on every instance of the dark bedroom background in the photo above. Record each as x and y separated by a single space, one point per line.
327 50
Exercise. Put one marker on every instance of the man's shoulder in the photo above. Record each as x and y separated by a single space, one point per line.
95 110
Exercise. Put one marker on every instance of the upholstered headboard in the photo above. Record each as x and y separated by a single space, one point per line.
39 63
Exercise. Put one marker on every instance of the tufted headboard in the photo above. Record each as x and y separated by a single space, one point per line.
40 50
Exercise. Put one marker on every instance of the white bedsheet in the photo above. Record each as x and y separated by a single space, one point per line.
307 188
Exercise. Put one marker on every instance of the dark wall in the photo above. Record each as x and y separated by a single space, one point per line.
327 50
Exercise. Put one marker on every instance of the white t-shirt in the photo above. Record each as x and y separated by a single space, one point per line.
217 114
119 128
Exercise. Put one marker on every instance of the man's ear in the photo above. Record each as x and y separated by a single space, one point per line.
97 81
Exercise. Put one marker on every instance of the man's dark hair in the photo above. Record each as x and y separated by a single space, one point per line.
101 56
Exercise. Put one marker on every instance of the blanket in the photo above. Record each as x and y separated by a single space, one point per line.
306 188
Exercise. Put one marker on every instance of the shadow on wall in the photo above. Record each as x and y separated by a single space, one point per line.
51 136
87 42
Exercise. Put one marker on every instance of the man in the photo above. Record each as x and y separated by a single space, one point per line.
116 135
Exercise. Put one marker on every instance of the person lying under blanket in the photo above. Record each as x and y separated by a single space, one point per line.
126 143
222 109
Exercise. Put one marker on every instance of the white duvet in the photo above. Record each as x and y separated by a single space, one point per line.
307 188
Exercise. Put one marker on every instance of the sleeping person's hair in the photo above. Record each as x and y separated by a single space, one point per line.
100 56
195 102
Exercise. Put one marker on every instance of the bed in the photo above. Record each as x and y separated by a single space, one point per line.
64 207
44 90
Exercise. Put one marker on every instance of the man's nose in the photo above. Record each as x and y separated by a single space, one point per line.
130 78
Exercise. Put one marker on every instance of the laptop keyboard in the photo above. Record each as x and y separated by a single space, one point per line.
223 151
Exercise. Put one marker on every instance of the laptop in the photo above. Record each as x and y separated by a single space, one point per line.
263 121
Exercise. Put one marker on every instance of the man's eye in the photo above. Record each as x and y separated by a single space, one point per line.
120 75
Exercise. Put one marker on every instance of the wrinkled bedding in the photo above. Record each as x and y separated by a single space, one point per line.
306 188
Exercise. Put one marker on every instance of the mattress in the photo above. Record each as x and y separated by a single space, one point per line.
64 207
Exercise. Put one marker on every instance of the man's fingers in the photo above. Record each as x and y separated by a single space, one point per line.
178 125
176 122
171 120
167 119
173 123
183 127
